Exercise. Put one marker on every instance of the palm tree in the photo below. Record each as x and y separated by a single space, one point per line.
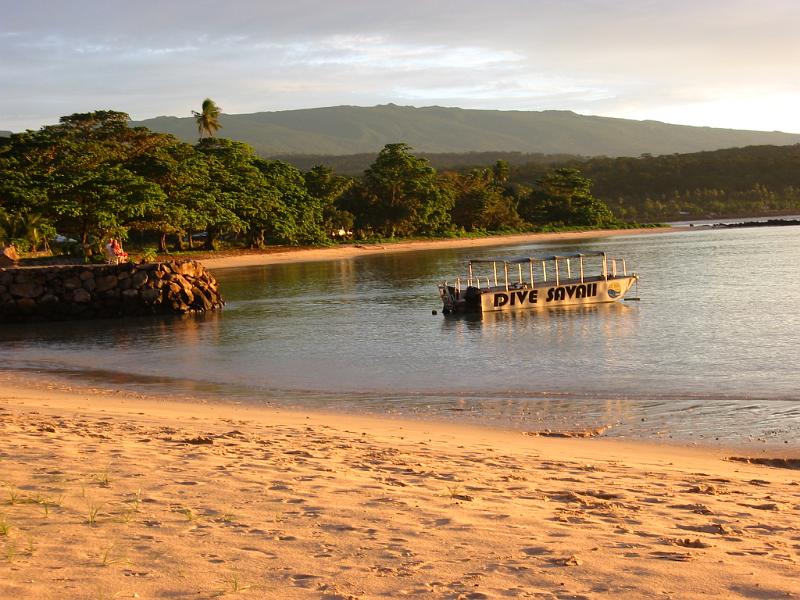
208 118
25 225
11 227
36 228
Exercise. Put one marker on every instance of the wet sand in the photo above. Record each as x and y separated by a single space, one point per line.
291 255
115 495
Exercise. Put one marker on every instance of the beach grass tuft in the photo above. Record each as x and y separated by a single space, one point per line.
109 556
232 585
190 514
102 477
13 496
11 551
454 491
46 504
135 502
93 512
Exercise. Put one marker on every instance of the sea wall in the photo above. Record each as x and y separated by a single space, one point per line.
60 293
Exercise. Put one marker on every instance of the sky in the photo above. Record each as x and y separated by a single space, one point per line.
718 63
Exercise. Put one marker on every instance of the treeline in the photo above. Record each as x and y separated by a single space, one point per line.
734 182
92 176
355 164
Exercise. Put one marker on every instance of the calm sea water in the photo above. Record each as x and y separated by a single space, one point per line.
710 352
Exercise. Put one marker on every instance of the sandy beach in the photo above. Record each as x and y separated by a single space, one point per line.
108 494
290 255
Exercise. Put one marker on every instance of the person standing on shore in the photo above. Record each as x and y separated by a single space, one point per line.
121 255
114 252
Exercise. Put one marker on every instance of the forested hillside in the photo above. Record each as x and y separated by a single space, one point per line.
342 130
750 181
756 180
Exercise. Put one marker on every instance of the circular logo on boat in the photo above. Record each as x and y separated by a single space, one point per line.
614 290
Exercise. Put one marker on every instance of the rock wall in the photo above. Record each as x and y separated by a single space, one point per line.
62 293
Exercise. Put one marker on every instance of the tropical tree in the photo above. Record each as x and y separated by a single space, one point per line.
21 184
28 230
484 201
293 215
400 195
322 183
234 183
21 199
501 171
563 197
182 173
208 118
77 176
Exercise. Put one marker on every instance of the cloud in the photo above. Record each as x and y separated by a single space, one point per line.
645 58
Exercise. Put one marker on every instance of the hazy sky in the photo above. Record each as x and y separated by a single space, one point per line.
722 63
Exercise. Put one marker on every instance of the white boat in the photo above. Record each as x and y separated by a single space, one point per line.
577 278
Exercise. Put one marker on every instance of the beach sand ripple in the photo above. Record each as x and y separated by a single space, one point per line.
108 496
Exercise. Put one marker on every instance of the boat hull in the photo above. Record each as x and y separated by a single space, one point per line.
524 297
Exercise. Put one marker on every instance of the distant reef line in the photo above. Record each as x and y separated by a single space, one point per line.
767 223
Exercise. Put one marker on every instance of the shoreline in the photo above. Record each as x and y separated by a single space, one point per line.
754 447
37 391
112 494
351 251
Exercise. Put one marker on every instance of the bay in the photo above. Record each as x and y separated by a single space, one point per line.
710 352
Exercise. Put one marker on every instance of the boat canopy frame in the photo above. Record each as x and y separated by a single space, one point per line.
528 259
543 260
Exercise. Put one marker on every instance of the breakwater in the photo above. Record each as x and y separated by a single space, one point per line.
59 293
767 223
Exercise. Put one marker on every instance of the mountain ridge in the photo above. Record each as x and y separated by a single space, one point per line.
346 129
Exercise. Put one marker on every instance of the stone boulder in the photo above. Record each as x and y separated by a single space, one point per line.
106 291
8 256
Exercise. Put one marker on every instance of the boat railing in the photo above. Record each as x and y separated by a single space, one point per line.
475 281
614 268
529 272
557 269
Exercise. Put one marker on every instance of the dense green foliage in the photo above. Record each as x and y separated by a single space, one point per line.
734 182
564 197
756 180
356 164
92 176
400 195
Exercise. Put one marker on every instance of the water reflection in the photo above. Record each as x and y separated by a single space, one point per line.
710 347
